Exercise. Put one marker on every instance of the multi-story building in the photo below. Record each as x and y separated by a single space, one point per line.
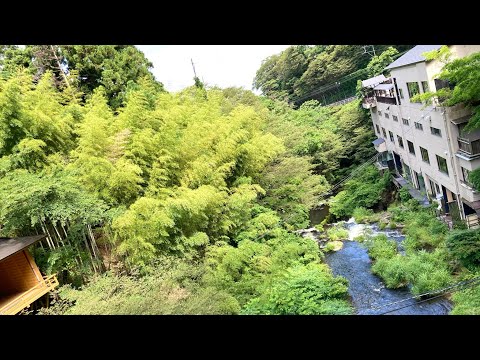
424 143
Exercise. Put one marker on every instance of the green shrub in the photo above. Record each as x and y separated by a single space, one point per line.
424 230
393 271
392 225
362 215
337 233
329 247
410 245
404 195
360 238
304 290
398 213
428 271
464 245
434 280
413 205
366 190
149 295
382 225
380 247
467 302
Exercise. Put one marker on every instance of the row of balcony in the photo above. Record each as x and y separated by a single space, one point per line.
370 102
468 149
457 114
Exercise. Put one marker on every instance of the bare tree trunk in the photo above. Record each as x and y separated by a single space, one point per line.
59 67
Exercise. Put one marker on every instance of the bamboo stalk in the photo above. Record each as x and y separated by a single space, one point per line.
88 250
79 254
58 233
40 242
96 249
48 232
50 243
92 241
64 231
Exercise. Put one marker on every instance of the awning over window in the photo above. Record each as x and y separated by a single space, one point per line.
373 81
385 87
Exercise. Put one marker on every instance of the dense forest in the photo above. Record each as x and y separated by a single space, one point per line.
186 198
189 202
300 69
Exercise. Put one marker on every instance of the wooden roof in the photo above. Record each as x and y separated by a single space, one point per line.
10 246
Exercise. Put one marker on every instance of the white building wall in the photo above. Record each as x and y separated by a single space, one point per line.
429 116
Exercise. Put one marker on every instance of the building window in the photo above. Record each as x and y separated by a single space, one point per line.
424 153
413 89
418 126
379 113
386 115
425 86
400 92
378 129
395 118
384 133
442 164
392 139
432 187
405 121
465 173
400 141
411 148
408 174
435 131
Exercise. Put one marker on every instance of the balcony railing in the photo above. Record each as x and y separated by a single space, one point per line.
369 102
387 100
22 300
468 147
381 165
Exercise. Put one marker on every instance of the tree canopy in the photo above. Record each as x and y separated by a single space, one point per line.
300 69
115 67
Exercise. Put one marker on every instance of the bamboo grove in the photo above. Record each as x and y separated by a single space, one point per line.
212 180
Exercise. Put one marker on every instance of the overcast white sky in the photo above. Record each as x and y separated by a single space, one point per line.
221 65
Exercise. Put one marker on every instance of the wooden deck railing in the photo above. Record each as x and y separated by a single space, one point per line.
24 299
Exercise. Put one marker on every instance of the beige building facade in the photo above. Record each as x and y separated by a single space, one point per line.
424 143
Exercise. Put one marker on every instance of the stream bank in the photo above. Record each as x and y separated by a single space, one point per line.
368 293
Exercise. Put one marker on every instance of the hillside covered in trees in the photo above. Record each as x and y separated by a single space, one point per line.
300 69
167 203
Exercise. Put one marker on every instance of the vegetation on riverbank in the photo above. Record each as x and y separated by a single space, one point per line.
434 257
